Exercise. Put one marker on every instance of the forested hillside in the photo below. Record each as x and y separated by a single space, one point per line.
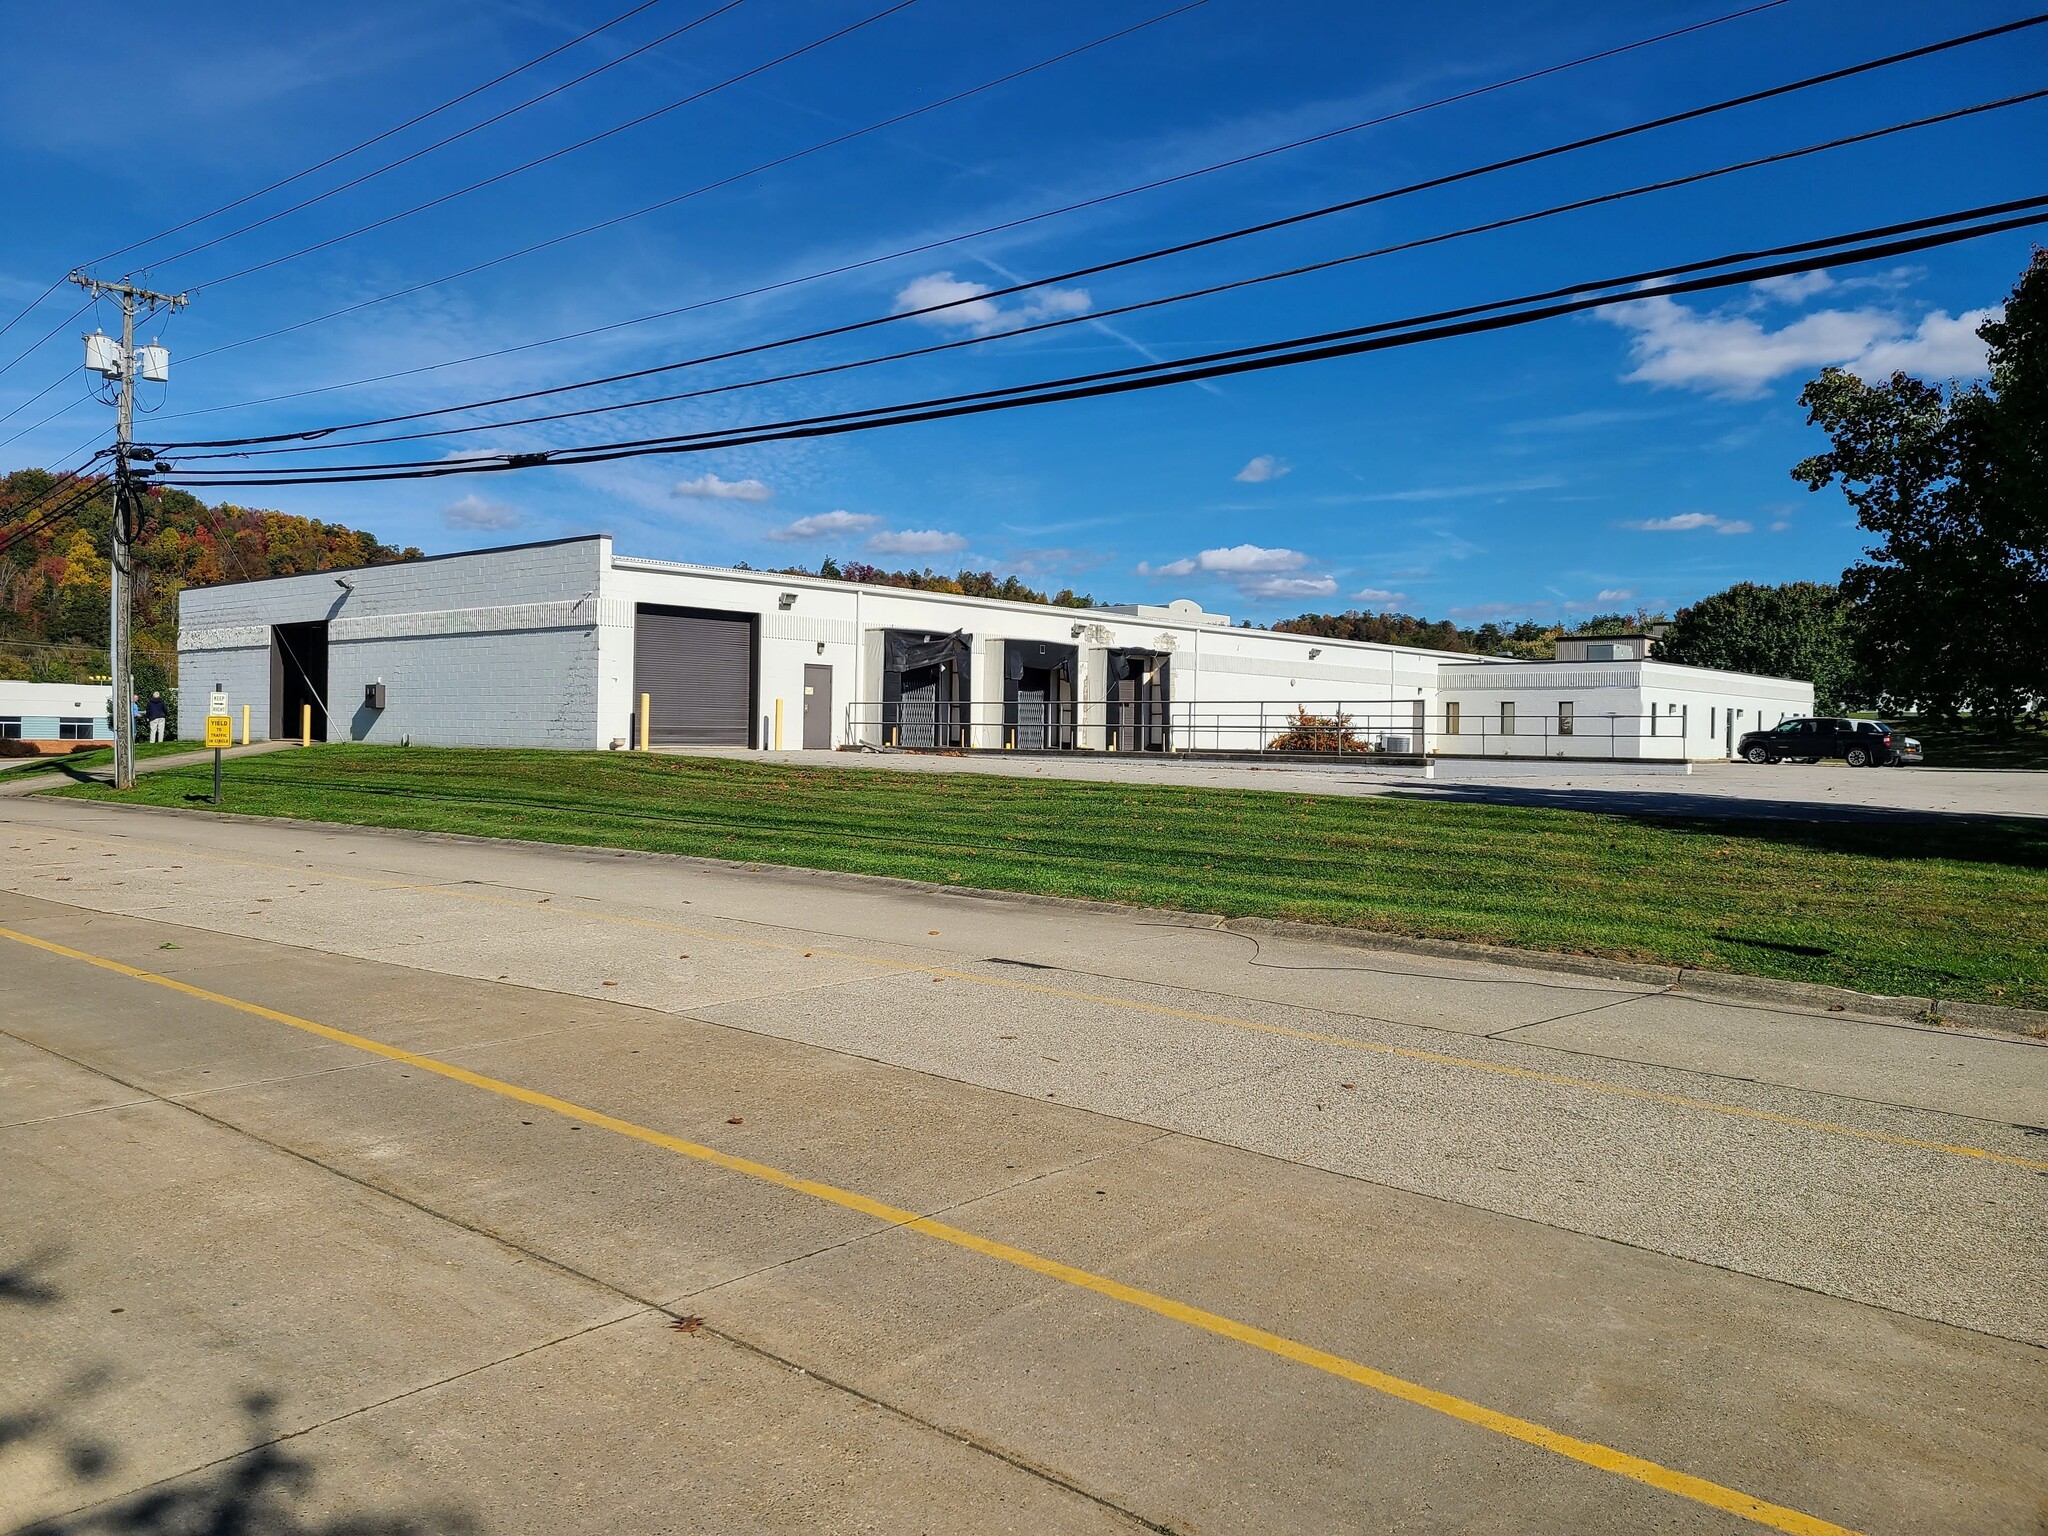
53 583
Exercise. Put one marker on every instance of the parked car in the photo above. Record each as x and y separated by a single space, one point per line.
1859 743
1904 748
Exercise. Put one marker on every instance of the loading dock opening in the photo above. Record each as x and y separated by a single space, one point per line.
1140 699
1039 678
697 668
298 678
927 683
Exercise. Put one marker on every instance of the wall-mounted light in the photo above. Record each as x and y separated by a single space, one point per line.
344 583
1077 631
785 600
821 647
1314 651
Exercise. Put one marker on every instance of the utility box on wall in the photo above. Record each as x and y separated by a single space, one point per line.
373 695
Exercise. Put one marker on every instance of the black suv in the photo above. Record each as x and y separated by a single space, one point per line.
1859 743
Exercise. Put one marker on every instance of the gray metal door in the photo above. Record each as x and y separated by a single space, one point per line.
817 709
697 669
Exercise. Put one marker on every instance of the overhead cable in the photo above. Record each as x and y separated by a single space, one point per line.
568 149
445 141
1779 261
1020 222
378 138
1179 248
1137 306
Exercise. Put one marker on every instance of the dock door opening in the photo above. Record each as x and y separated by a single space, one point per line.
298 678
1038 695
927 683
1140 695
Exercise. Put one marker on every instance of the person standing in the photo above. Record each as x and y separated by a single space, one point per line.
159 713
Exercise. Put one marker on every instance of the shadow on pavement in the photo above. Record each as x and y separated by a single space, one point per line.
255 1493
1669 804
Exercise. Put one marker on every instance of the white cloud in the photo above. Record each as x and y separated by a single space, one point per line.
1286 586
1940 347
1733 355
969 311
723 490
1235 560
475 512
1794 288
1263 468
1615 594
1781 525
915 541
824 525
1378 595
1688 522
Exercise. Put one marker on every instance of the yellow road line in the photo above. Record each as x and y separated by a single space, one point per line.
1165 1010
1588 1452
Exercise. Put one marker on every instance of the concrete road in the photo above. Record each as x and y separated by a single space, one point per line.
1804 792
384 1167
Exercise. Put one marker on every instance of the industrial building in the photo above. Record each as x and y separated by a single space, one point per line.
565 644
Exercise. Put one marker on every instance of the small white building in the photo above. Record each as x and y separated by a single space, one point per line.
558 644
53 717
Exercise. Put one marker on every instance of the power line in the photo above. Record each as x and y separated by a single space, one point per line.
62 410
584 143
374 139
37 344
443 143
1432 183
33 305
1778 261
1211 290
930 245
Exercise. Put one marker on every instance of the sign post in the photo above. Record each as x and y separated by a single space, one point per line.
220 732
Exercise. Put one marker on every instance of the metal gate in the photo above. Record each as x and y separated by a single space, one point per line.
697 669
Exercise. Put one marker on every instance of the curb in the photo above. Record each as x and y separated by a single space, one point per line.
1731 986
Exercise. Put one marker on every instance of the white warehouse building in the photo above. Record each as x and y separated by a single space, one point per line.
560 644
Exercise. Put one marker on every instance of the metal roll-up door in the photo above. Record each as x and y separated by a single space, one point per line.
697 669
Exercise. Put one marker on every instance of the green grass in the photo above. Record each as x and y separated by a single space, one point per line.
98 757
1955 910
1968 743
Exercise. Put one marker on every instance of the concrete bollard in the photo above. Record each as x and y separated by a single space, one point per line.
305 725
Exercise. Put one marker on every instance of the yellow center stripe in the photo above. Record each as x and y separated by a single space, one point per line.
1591 1453
1167 1010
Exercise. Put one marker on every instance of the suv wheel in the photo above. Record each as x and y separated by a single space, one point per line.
1858 757
1759 755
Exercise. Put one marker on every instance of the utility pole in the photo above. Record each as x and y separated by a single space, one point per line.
123 366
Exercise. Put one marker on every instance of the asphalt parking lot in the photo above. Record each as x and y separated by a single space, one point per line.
1826 791
483 1188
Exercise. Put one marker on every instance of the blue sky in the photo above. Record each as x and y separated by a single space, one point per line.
1584 464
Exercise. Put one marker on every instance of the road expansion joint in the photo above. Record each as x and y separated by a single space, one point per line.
643 1306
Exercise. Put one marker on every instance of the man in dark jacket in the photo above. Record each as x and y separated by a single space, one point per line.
158 712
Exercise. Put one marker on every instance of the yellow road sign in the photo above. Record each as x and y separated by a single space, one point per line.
220 731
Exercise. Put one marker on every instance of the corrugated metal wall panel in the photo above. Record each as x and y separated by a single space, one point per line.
698 670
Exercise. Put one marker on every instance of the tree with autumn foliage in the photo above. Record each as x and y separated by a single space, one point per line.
54 597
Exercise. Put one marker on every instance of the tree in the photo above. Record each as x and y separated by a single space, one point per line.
1802 629
1953 600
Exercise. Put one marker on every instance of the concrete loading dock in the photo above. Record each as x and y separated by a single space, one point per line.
555 645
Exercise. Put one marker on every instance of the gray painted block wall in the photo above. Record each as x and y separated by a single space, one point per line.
494 649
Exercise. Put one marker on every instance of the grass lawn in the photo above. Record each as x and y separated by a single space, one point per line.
1955 911
98 757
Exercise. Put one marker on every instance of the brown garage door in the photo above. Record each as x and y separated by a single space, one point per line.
697 668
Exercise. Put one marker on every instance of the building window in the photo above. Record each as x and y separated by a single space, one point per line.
1653 719
73 729
10 727
1564 717
1600 653
1713 720
1507 719
1451 719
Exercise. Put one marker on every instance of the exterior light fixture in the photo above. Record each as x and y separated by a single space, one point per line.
785 600
1077 631
1314 651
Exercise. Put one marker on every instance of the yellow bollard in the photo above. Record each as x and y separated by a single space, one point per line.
778 725
305 725
245 725
644 738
